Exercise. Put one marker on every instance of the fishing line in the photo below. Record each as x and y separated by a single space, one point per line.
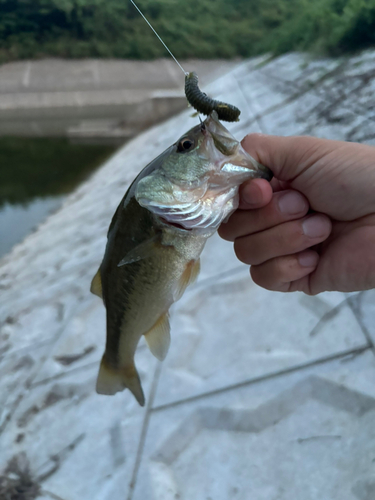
195 97
144 17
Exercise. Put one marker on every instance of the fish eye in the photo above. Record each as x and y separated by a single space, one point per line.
185 145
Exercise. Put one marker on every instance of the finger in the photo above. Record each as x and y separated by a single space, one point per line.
285 239
285 274
284 206
287 157
255 194
279 185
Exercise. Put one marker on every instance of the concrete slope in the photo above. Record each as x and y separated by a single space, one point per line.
262 395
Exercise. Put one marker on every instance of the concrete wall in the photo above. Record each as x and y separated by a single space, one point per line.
93 99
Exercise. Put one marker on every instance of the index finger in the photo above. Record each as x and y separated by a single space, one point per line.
255 193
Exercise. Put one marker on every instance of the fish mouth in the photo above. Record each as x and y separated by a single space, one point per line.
222 139
234 159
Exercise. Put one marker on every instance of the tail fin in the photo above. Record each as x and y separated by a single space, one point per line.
111 381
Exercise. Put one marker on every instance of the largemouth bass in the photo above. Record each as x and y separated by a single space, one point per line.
155 240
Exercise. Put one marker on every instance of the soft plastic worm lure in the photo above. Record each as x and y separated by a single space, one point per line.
204 104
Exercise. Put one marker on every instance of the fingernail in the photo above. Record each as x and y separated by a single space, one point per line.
307 259
315 226
291 203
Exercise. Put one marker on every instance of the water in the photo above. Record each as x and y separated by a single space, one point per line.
35 176
16 221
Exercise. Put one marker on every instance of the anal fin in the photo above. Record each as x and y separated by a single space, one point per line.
159 338
96 285
112 380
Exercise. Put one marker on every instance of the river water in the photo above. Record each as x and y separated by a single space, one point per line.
35 177
17 221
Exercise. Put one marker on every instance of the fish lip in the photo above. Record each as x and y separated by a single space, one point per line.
216 130
222 139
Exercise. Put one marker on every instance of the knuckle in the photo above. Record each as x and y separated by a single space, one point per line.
281 268
259 219
289 238
263 276
253 221
250 138
238 250
256 276
244 251
282 239
225 232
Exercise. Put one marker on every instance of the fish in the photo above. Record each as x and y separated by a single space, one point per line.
155 239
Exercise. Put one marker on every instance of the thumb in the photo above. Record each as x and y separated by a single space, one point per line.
287 157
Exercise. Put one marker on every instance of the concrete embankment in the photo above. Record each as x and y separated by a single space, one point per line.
263 395
94 99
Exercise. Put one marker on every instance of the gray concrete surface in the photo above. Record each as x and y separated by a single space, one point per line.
107 100
263 396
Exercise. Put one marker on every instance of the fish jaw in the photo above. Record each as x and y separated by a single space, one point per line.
231 161
202 203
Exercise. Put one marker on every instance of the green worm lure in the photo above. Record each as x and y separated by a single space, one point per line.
204 104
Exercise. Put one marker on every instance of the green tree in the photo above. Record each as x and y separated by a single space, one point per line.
197 28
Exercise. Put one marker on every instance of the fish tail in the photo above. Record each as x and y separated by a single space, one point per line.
111 380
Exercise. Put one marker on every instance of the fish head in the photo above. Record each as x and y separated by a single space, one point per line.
195 184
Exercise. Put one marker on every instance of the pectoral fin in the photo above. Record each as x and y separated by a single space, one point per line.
188 278
96 285
158 338
141 251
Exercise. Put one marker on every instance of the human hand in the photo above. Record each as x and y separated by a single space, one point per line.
313 227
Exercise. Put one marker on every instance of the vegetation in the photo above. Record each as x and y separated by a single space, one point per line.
192 28
33 167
